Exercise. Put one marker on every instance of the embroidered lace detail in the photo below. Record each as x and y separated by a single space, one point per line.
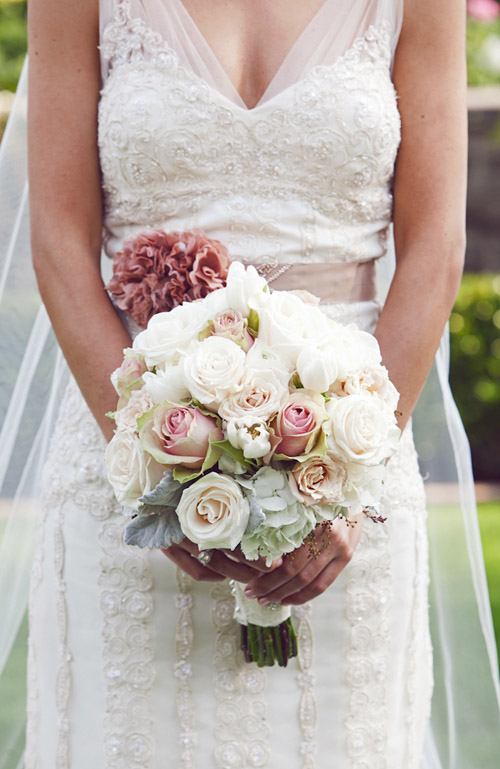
241 730
368 603
307 707
183 670
338 122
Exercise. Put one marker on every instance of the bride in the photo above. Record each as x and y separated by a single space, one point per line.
296 133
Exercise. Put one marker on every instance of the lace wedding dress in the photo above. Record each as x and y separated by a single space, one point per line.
131 663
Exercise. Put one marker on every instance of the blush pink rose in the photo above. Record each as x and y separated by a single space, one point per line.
157 270
231 324
179 435
298 424
128 376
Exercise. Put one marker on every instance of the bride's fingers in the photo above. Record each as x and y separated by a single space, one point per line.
259 564
191 565
323 581
220 563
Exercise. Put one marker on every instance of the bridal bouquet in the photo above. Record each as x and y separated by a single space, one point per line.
246 419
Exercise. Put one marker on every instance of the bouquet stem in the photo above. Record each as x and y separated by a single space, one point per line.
267 645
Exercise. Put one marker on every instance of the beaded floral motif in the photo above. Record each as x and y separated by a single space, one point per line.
338 122
241 729
307 706
183 670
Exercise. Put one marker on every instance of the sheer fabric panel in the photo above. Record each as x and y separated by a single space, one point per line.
344 20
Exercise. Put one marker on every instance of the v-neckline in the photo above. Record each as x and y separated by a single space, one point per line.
238 100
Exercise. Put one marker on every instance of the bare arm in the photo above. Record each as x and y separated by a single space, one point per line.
429 218
65 194
429 192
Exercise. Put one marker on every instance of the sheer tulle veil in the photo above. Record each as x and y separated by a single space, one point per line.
464 729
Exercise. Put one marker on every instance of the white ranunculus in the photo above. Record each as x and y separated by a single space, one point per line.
139 402
213 512
361 429
212 369
288 325
131 472
261 357
258 393
242 285
168 384
353 349
317 368
169 334
250 435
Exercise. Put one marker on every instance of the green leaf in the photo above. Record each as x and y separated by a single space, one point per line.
253 321
157 530
234 453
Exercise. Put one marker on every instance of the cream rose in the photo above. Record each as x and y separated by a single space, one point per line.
261 357
361 429
371 381
231 324
212 369
318 481
258 393
353 348
213 512
131 472
139 402
169 334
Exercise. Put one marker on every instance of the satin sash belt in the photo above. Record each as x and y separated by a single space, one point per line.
332 282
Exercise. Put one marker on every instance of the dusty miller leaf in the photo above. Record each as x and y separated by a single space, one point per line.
157 530
167 493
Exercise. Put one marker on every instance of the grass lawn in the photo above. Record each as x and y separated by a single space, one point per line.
489 521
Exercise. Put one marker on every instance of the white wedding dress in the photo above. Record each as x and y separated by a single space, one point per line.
132 665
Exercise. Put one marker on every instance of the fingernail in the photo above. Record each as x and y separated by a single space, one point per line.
264 601
249 593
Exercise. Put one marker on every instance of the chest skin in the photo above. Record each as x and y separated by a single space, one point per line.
251 38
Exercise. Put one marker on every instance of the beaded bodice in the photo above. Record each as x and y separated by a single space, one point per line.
304 176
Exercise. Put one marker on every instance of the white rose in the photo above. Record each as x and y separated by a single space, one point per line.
168 384
354 349
212 369
363 486
371 381
131 472
242 285
317 368
250 435
213 512
288 325
258 393
169 334
140 402
261 357
361 429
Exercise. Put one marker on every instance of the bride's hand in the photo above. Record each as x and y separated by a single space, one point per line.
309 570
222 565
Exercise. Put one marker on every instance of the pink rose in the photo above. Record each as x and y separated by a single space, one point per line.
178 435
232 325
157 271
298 423
127 377
483 10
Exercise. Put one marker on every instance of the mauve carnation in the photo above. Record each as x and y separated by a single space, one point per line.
157 270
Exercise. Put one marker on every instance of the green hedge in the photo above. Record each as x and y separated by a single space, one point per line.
475 368
12 42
